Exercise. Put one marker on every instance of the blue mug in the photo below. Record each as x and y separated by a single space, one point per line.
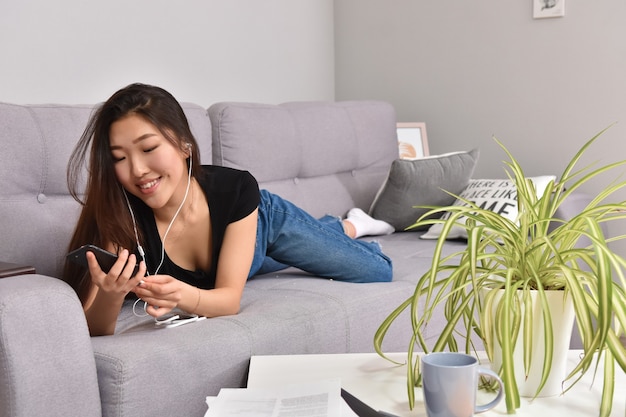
450 383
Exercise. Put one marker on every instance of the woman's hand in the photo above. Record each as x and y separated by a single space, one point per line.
108 291
119 279
162 293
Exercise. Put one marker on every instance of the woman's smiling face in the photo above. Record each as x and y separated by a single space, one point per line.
147 164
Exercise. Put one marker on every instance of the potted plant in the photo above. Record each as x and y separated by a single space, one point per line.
537 252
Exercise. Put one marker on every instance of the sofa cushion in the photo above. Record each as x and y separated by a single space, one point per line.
421 182
285 312
326 157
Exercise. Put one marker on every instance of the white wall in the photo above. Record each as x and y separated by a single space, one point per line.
203 51
473 69
470 70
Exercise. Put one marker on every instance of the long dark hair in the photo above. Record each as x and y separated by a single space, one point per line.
105 217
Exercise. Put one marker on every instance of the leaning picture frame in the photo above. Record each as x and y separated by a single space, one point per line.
412 140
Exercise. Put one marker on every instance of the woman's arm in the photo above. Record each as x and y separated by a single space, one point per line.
108 291
233 267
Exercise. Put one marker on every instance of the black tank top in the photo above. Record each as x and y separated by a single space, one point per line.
232 195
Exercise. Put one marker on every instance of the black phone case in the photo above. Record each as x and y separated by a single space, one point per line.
105 258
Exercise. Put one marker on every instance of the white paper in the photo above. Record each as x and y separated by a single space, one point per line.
315 399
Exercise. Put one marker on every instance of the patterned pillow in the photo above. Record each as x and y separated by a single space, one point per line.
497 195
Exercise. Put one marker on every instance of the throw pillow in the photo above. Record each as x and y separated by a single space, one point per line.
420 182
499 196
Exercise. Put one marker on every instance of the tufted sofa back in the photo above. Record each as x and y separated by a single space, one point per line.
326 157
37 214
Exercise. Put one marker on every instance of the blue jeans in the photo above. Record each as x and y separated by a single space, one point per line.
289 236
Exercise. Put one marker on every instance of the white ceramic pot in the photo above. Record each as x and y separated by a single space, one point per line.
562 315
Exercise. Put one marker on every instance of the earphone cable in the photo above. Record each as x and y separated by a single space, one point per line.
174 218
140 249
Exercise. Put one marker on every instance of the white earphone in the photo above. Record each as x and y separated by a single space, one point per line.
132 215
140 248
174 321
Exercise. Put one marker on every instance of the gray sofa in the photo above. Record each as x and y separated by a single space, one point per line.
325 157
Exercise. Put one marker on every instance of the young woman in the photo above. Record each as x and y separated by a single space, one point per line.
197 232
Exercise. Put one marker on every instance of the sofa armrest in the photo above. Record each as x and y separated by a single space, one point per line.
8 269
573 205
47 366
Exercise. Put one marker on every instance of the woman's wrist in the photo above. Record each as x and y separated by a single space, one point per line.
191 300
195 309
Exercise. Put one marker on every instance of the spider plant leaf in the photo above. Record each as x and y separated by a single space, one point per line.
379 336
410 374
512 398
548 338
609 385
487 323
528 330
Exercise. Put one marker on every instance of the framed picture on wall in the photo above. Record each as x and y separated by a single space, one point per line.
412 140
548 8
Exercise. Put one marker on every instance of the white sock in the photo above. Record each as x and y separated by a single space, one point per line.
365 225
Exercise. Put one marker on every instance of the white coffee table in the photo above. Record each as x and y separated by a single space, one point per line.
382 385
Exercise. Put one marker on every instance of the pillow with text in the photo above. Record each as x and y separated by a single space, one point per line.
497 195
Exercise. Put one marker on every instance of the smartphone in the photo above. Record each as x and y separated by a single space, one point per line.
105 258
